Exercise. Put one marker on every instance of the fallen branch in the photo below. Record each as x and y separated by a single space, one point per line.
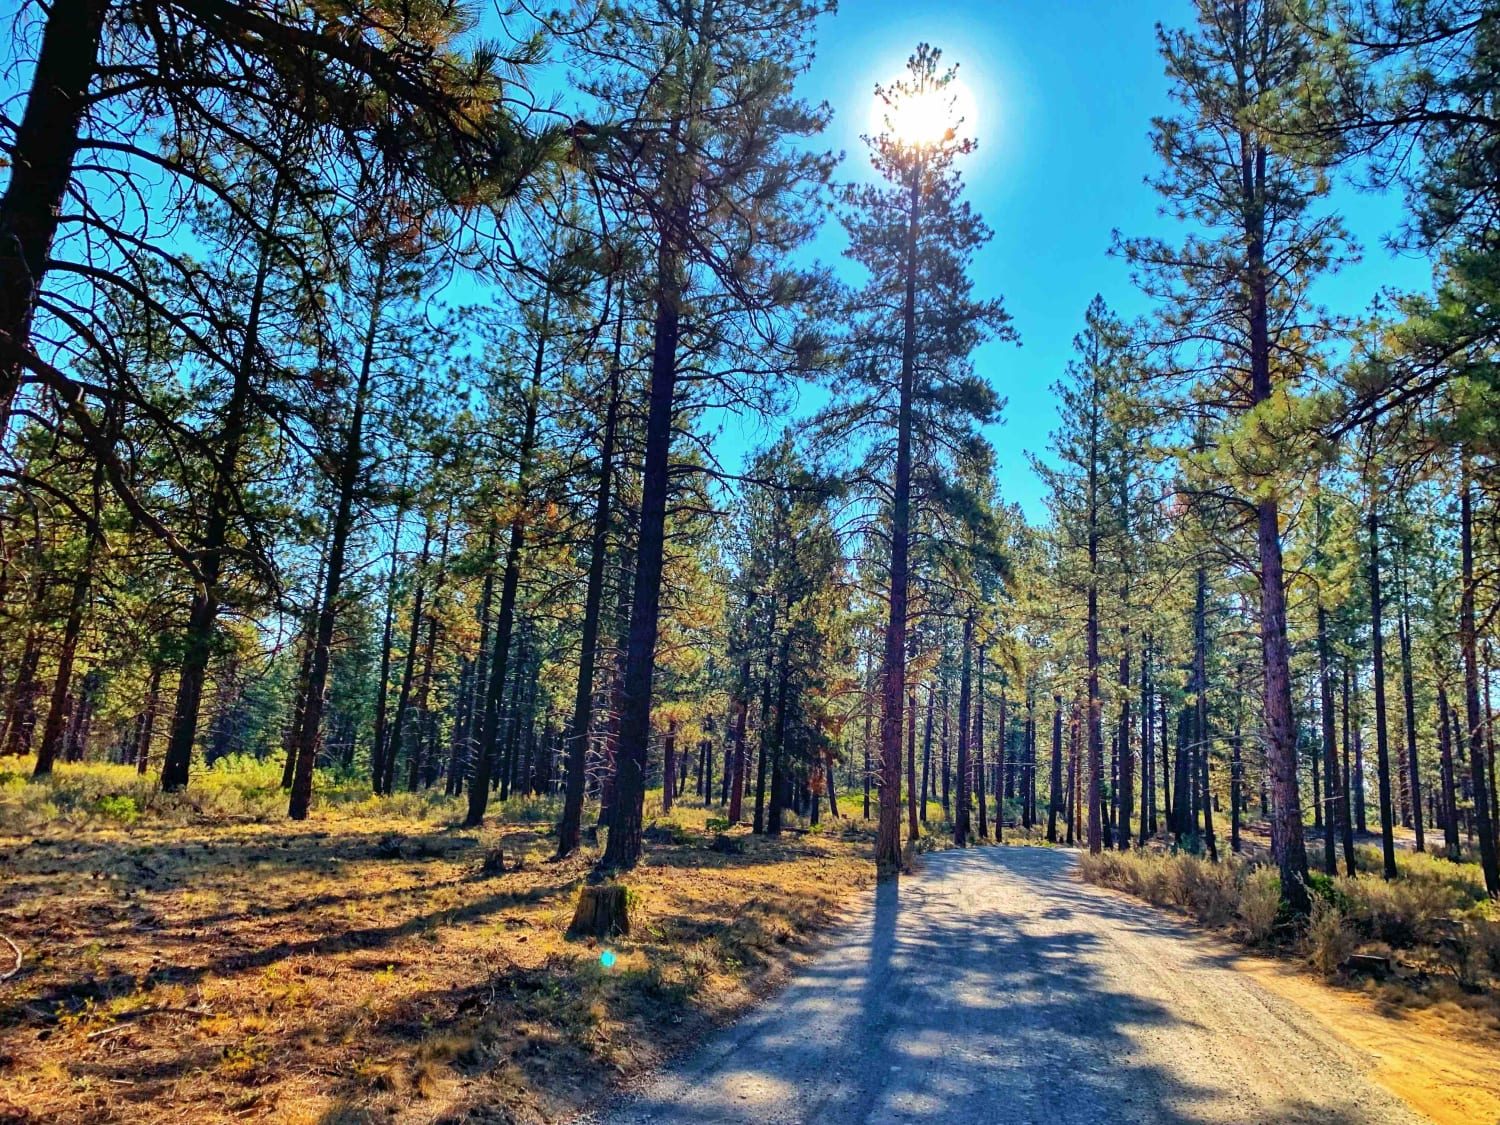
127 1018
16 949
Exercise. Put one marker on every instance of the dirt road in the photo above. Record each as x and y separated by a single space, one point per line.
995 987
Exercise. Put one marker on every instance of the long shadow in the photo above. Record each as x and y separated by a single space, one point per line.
939 1007
70 995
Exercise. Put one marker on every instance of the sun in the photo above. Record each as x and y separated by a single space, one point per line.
926 118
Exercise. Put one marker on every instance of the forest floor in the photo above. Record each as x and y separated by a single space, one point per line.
362 967
995 984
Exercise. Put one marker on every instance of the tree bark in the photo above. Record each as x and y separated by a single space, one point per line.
631 758
965 685
1468 644
893 671
41 168
479 790
1382 735
351 471
570 828
1408 693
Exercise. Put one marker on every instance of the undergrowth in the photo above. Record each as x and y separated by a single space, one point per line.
1433 921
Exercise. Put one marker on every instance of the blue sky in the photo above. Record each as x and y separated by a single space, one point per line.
1065 92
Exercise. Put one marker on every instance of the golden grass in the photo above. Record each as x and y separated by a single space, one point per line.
361 966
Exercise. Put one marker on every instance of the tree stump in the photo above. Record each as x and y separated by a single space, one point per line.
602 912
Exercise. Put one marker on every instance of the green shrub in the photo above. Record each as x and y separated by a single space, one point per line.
120 808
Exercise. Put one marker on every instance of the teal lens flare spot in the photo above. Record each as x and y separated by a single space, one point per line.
607 959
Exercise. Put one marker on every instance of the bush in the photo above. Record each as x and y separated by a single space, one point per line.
122 809
1402 913
1260 903
1330 941
1207 891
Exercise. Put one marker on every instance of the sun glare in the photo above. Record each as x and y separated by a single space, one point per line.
926 118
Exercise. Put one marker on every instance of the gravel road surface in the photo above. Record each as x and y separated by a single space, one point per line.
994 987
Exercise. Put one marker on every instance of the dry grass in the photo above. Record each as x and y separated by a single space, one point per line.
1435 923
362 966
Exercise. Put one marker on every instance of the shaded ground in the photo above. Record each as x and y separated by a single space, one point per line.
359 968
996 987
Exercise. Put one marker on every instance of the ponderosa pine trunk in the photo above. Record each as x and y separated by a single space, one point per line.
203 614
1338 808
510 583
965 686
1468 645
408 670
419 766
40 169
1126 797
350 475
1448 774
1382 734
893 669
1409 696
977 741
148 719
1148 761
927 750
379 743
570 828
912 829
623 850
78 601
1095 834
1055 794
741 723
1201 734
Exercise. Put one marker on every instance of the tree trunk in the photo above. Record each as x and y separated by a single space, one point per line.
927 750
419 764
1126 798
479 790
1382 736
350 474
893 671
1338 810
741 721
72 628
40 169
1201 734
379 745
569 830
1095 707
1055 794
1468 644
1148 761
767 688
1450 800
408 671
631 758
204 612
965 686
669 771
978 741
912 829
1408 692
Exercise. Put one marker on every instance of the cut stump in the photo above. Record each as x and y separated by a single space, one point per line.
602 912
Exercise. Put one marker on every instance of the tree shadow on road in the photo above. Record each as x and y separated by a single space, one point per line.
939 1007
